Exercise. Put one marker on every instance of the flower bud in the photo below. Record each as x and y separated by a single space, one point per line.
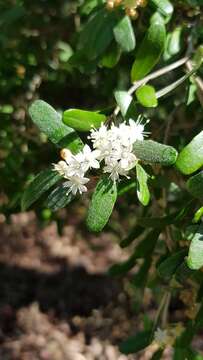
65 154
110 4
133 13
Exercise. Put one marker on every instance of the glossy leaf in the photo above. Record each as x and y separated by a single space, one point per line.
146 95
102 204
97 33
150 50
124 34
164 6
190 158
126 103
82 120
142 189
40 184
50 123
195 256
155 153
58 199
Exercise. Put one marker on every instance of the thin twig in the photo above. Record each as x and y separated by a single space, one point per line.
157 74
152 76
198 81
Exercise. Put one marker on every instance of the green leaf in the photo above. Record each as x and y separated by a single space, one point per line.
111 57
97 33
195 256
154 153
168 267
190 158
126 104
41 183
183 273
124 34
174 44
164 6
142 190
123 267
146 95
150 50
195 185
102 204
135 343
198 215
83 120
50 123
58 199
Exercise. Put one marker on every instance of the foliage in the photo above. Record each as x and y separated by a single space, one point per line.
100 76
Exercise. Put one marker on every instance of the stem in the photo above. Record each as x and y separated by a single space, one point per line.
174 85
152 76
157 74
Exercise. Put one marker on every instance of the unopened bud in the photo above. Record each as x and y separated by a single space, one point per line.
142 3
65 154
110 5
133 13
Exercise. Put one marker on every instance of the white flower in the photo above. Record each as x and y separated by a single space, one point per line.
76 184
99 136
61 167
115 170
89 158
161 337
137 129
75 166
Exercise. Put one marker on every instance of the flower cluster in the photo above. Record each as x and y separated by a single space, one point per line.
130 6
111 147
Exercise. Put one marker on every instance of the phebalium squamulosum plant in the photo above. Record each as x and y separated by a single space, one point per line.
118 145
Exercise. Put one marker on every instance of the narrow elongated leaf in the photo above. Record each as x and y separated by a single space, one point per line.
167 268
142 190
102 204
97 34
41 183
146 95
150 50
58 199
123 267
183 273
50 123
152 152
195 256
82 120
124 34
195 185
164 6
135 343
190 158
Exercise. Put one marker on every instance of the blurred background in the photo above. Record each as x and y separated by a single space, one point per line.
56 300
